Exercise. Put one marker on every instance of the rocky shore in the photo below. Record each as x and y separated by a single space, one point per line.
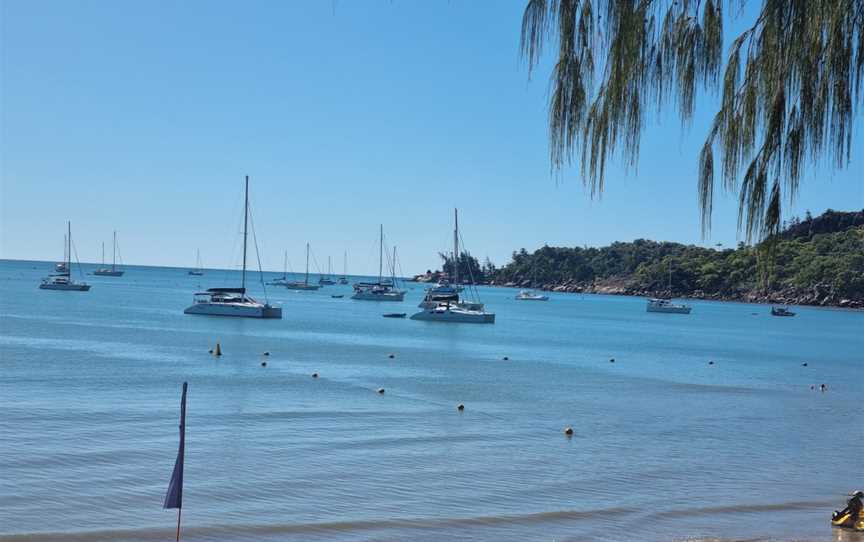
820 295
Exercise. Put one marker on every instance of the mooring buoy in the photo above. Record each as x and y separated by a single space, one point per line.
460 408
568 431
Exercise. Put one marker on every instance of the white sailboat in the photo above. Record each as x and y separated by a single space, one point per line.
439 304
283 280
381 290
198 270
234 301
344 278
530 295
112 271
62 280
297 285
666 305
61 267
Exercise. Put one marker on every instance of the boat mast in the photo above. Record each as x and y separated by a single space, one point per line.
69 248
306 279
103 253
245 226
456 247
393 269
285 266
113 251
381 255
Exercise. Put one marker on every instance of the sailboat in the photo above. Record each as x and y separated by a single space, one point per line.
113 271
296 285
327 279
283 280
344 278
666 305
198 271
381 290
61 267
441 305
234 301
62 280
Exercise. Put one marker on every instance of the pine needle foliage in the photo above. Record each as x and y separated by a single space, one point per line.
788 89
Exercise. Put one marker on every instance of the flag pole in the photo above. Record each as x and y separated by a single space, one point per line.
174 496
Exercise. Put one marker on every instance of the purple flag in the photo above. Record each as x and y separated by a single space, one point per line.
174 497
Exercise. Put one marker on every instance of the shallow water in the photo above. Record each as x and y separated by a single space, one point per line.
666 447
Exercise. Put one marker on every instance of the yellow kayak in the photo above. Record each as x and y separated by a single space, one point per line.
846 521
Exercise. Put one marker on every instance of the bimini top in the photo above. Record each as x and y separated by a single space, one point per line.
226 290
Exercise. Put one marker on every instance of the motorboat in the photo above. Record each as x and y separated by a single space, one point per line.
109 271
667 306
530 295
63 280
781 311
233 301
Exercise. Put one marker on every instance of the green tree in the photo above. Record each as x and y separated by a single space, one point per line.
790 88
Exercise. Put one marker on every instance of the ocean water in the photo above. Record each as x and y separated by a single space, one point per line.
666 446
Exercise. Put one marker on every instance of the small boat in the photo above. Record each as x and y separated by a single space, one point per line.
781 311
381 290
667 306
112 271
198 271
394 315
337 296
344 278
529 295
233 301
297 285
443 303
283 280
63 280
327 280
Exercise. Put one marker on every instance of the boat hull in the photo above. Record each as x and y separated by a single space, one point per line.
235 309
670 310
532 298
196 273
458 317
371 296
302 287
108 273
66 287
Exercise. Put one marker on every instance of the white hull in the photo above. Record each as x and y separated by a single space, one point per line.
244 310
455 315
667 307
379 296
531 297
73 287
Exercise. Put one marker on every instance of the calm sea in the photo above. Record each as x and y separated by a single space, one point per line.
666 446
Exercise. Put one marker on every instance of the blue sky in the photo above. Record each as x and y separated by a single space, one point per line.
145 116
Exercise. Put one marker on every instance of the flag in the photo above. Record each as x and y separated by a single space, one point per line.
174 497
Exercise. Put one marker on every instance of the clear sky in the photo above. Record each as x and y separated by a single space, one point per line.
144 117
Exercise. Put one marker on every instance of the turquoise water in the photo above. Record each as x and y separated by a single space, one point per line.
666 446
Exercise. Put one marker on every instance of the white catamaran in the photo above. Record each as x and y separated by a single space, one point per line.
234 301
381 290
443 303
62 279
109 271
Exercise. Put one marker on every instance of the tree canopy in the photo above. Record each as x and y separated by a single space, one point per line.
789 89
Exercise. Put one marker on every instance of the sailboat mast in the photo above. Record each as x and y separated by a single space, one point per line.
103 253
285 266
113 252
306 279
245 226
456 247
69 247
393 269
381 255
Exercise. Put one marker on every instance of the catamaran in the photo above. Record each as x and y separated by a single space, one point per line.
112 271
381 290
443 302
344 278
198 271
297 285
234 301
666 305
62 280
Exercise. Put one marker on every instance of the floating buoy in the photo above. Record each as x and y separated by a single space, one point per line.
266 353
381 391
710 363
611 360
812 387
263 364
823 387
568 431
505 358
391 356
210 351
460 408
804 364
218 350
314 375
